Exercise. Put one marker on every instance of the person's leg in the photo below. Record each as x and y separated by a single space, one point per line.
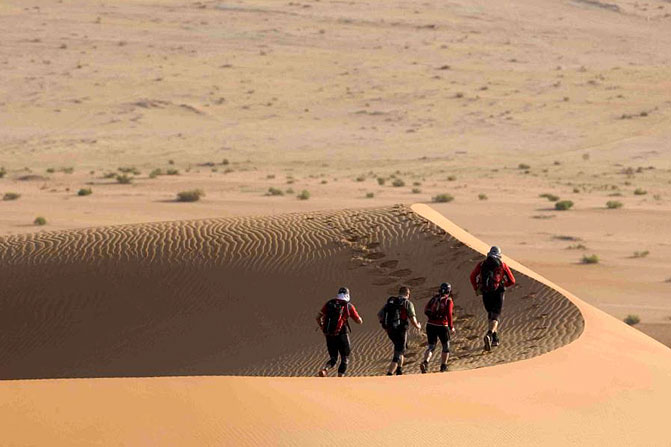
332 346
432 338
344 350
444 336
487 300
398 338
403 345
496 315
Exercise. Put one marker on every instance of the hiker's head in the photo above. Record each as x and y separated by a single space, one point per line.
343 294
494 252
445 288
404 292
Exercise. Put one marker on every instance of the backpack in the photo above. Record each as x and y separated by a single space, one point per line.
393 317
491 274
435 309
335 317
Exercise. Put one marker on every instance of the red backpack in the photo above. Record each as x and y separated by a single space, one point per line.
436 308
335 317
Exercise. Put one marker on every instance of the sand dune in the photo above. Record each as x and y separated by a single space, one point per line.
238 296
610 384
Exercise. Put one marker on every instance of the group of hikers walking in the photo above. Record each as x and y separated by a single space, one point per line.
489 279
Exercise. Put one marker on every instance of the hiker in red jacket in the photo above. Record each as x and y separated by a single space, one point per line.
333 320
490 278
440 325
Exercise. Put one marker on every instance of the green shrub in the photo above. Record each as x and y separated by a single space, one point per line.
550 197
416 183
3 172
110 175
381 181
640 192
563 205
172 171
155 173
67 170
193 195
304 195
443 198
270 176
11 196
641 254
576 190
482 196
523 166
51 170
289 191
593 259
40 221
397 183
361 178
274 192
613 204
324 182
451 178
632 320
124 179
84 192
576 247
129 170
225 162
370 195
416 190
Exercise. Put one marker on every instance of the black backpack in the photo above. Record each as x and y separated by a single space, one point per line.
392 313
334 317
488 274
434 310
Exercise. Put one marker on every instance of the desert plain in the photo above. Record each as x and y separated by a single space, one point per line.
310 128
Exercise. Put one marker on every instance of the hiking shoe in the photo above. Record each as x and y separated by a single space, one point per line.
323 373
495 339
443 367
423 367
488 342
389 374
399 371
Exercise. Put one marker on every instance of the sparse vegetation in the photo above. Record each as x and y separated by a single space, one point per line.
397 183
550 197
289 191
303 195
84 192
172 172
274 192
193 195
129 170
361 178
451 178
51 170
11 196
124 179
270 176
593 259
381 181
155 173
40 221
640 192
482 196
576 247
641 254
523 166
3 172
443 198
370 195
632 320
613 204
563 205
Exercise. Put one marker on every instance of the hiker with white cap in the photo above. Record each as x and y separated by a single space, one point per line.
490 279
333 321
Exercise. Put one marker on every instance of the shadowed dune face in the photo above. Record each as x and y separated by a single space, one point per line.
239 296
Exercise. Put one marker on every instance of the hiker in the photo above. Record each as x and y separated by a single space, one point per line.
395 317
440 325
333 321
490 278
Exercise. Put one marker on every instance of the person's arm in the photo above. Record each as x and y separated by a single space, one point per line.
474 275
510 279
412 316
380 315
320 316
450 308
354 314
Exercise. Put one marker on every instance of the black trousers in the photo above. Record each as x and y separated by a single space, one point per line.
338 345
435 333
493 302
399 338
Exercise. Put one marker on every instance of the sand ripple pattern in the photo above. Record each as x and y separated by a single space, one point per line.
239 296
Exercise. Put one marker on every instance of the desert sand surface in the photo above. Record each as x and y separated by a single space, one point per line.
609 385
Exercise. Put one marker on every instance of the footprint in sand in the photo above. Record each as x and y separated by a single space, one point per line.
401 273
389 264
414 282
375 255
